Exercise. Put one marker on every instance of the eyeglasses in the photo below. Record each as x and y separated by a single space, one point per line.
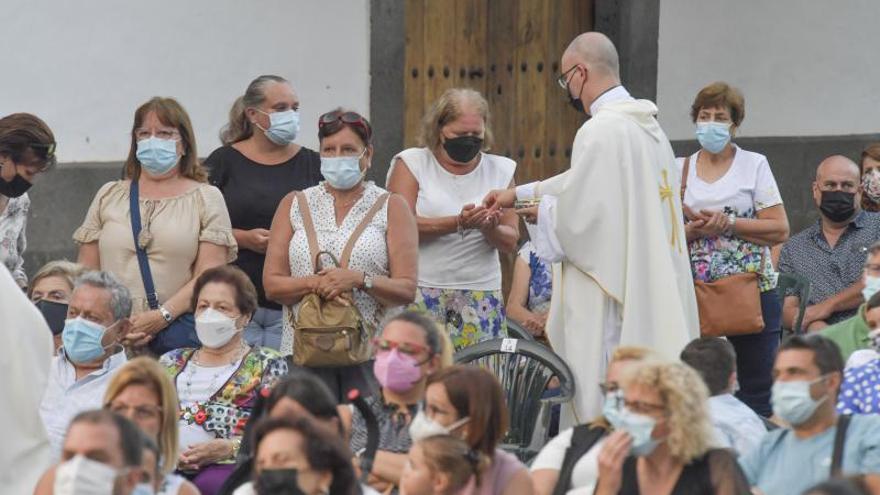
350 118
640 407
140 412
404 347
141 134
606 387
563 78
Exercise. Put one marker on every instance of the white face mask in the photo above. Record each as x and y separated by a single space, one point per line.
83 476
424 427
214 329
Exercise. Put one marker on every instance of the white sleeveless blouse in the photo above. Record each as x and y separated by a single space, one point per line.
370 253
452 261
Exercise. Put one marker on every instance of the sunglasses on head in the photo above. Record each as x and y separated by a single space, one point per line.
351 118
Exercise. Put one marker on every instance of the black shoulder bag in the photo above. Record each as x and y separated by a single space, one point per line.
182 331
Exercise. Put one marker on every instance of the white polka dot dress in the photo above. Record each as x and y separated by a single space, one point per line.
370 253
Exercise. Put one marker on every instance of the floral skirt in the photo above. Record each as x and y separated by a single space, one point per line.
469 316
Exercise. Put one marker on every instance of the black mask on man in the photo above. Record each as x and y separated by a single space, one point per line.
14 188
464 148
838 206
55 313
576 103
277 482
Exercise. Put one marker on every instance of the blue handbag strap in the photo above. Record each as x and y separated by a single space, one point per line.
143 262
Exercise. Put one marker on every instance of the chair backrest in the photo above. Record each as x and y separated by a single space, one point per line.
800 285
525 369
516 331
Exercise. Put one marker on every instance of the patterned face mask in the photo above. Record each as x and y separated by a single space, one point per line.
871 185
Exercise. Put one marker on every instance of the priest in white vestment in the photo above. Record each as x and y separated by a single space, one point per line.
25 356
614 220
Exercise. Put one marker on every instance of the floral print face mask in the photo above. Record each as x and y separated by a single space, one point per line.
871 185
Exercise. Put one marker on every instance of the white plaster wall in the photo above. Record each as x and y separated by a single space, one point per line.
84 66
806 67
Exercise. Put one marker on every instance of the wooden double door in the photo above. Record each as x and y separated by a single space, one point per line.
508 50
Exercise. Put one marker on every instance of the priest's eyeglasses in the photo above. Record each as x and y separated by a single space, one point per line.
563 78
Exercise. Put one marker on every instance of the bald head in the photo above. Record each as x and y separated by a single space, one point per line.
595 51
837 166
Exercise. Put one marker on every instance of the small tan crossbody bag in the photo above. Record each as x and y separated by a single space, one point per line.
330 333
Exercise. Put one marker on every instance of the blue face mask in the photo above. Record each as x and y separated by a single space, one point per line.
143 489
157 156
342 172
872 286
713 136
639 428
283 126
611 408
793 402
82 340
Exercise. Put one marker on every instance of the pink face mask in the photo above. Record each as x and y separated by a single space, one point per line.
396 371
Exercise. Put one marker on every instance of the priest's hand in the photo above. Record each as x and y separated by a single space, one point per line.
530 214
500 198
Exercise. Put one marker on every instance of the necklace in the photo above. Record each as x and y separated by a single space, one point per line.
222 370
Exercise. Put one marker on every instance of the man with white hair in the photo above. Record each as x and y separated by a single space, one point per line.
97 320
614 220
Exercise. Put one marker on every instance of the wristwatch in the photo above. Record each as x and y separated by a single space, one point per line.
368 281
731 223
166 314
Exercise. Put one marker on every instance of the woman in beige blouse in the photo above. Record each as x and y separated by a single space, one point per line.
185 225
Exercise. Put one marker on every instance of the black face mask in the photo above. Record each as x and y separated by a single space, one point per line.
463 149
576 103
838 206
277 482
54 312
14 188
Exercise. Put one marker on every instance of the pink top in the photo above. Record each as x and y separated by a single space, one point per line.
495 479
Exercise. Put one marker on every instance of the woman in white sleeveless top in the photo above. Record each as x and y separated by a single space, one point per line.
444 183
383 263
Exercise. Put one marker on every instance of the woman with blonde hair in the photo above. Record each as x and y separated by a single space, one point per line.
444 182
142 392
184 227
663 439
570 459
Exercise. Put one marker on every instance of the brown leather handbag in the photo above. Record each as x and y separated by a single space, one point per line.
330 333
731 305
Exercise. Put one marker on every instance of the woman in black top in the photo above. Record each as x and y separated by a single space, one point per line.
257 166
661 444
